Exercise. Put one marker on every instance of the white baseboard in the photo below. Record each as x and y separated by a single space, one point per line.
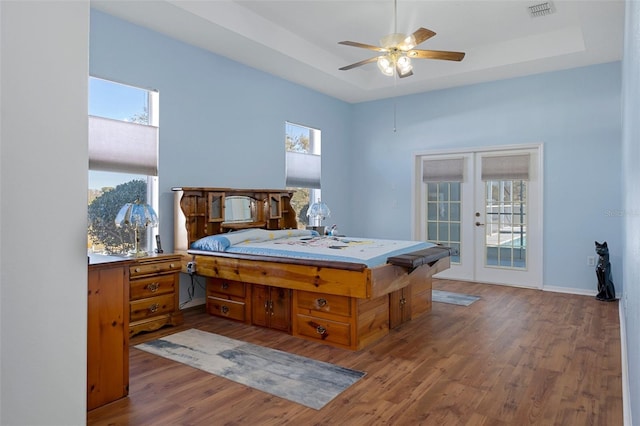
626 408
570 290
194 302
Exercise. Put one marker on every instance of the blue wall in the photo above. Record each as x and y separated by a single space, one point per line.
576 114
222 124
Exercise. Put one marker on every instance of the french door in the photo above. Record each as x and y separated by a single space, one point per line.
487 206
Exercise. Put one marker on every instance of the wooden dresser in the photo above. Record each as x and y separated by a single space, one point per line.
125 296
107 334
154 292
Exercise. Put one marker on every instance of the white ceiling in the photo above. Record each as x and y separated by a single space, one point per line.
298 39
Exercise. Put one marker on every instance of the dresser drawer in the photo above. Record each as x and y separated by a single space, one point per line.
324 330
226 308
152 306
155 267
231 288
152 286
327 303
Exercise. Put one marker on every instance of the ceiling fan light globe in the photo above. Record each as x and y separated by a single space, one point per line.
404 65
386 65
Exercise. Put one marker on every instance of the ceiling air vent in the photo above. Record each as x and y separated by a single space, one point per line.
541 9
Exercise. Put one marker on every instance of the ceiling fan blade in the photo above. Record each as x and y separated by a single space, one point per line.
357 64
364 46
435 54
422 34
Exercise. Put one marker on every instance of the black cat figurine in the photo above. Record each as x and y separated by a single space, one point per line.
606 290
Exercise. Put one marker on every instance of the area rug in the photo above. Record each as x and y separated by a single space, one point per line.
303 380
453 298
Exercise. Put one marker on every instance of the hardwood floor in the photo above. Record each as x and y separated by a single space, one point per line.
515 357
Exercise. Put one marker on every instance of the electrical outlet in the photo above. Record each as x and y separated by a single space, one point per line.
191 268
591 261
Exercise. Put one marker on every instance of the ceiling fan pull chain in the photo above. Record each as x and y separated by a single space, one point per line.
395 102
394 116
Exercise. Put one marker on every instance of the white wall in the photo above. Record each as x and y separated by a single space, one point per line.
43 178
631 179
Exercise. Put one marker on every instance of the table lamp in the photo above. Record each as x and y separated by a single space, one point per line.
317 212
138 216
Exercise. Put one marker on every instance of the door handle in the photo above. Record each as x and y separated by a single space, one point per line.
478 223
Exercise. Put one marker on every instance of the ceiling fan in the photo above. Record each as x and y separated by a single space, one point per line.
397 50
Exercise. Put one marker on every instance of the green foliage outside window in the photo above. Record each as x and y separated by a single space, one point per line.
103 233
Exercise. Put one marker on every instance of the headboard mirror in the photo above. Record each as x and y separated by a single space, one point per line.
239 209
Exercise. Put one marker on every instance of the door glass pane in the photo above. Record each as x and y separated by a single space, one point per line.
455 211
443 191
432 192
443 231
443 216
432 211
454 188
432 231
454 231
506 224
443 211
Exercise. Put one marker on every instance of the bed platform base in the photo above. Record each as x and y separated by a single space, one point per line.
347 305
348 308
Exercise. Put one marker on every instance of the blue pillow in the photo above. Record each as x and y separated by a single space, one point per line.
211 243
222 242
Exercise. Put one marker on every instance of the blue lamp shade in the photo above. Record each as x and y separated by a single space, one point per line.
318 211
137 216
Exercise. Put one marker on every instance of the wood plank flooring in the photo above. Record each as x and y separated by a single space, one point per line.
515 357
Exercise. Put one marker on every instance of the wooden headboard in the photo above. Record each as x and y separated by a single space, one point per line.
199 212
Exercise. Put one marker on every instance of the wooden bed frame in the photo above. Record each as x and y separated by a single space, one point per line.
347 305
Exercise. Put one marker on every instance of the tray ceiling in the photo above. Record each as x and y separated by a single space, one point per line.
298 39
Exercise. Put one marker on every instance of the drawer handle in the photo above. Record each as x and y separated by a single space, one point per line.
172 265
153 287
153 308
321 330
225 286
224 309
321 302
137 269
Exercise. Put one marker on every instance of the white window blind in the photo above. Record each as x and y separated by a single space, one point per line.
505 167
445 170
120 146
303 170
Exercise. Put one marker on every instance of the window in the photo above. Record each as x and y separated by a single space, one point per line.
303 162
123 148
442 178
443 215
